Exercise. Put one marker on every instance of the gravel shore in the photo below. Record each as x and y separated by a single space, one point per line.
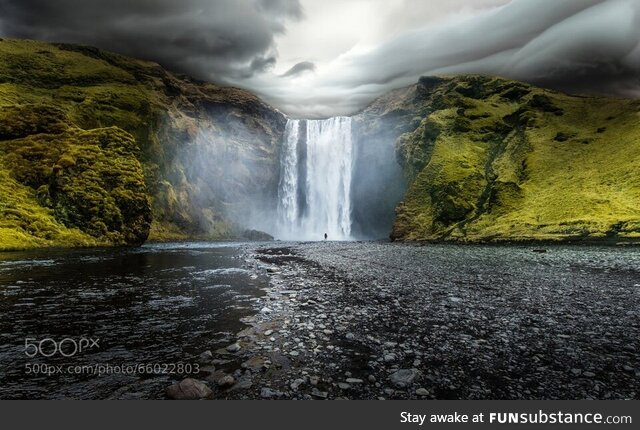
393 321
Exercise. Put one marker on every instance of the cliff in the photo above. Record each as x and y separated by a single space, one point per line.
487 159
101 149
97 149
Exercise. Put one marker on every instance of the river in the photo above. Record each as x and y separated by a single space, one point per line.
156 305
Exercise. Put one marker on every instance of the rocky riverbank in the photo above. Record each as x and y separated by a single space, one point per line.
388 321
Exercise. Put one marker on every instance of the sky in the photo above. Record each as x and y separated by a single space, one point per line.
321 58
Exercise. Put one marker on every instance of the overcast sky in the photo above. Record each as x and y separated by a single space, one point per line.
317 58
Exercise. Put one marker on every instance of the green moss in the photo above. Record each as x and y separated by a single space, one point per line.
24 223
98 138
539 166
86 180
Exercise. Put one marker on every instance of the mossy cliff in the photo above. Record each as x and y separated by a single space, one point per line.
100 149
488 159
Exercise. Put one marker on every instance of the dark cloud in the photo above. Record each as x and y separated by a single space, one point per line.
305 66
213 39
590 46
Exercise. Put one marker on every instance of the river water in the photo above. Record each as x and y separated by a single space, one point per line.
159 306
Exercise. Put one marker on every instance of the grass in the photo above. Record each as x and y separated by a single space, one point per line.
541 166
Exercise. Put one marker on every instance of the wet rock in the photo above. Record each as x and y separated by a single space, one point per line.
233 348
268 393
295 385
422 392
254 364
319 394
403 377
206 357
243 384
225 381
188 389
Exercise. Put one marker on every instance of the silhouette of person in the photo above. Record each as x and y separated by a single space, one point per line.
326 236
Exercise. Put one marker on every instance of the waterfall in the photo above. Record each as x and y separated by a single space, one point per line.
288 189
314 195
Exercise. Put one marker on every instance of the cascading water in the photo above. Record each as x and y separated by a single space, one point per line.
288 189
314 196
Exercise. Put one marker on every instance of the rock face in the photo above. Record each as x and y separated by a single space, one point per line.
188 389
101 149
487 159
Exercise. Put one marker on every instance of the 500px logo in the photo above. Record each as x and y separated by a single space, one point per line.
67 347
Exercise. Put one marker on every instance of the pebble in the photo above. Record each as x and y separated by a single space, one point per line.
319 394
188 389
226 381
403 377
235 347
268 393
296 384
206 357
422 392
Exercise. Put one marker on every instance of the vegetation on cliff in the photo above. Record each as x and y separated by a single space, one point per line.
490 159
101 149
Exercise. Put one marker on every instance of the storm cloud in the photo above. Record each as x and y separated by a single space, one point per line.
317 59
210 39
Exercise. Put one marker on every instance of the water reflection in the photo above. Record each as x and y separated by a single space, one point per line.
157 304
